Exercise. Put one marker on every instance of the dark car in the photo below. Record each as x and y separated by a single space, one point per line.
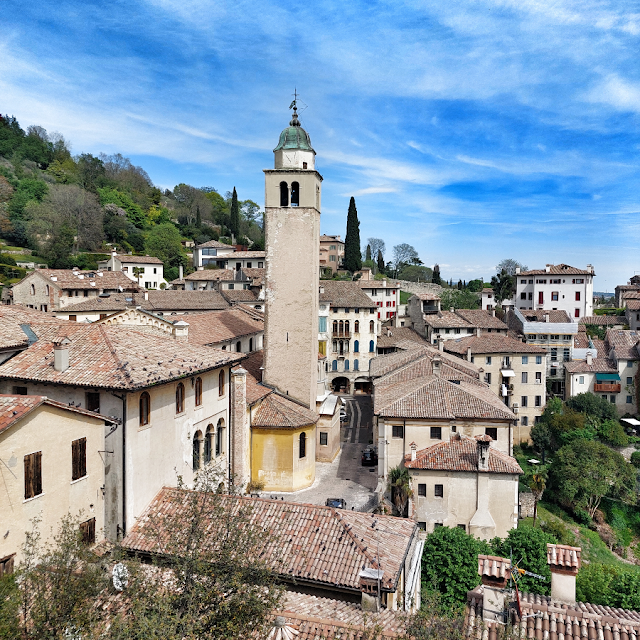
336 503
369 458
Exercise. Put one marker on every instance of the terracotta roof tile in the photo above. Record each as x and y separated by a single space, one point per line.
112 357
214 244
219 326
126 259
246 254
15 407
564 556
279 412
345 294
625 343
633 305
426 296
320 544
210 275
255 389
460 453
490 343
481 318
239 295
598 365
537 315
557 270
393 335
12 320
75 279
603 321
446 319
493 566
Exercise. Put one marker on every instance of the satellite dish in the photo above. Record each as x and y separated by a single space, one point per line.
120 575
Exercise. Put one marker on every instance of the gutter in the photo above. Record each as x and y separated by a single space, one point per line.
124 460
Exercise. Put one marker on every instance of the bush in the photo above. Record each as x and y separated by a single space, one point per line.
635 459
559 531
612 432
592 583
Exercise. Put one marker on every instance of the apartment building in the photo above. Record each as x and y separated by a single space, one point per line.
331 254
558 288
384 295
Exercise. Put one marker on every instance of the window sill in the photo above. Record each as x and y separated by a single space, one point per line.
181 415
79 479
34 498
143 427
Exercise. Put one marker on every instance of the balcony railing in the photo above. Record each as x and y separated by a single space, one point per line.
341 334
607 387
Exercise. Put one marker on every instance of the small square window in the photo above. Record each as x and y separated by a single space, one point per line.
524 421
538 401
422 525
422 490
324 438
492 432
612 399
439 490
487 360
629 380
525 359
580 379
436 525
462 526
538 359
629 399
397 431
436 433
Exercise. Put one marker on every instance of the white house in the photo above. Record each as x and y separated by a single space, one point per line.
147 271
556 287
212 253
385 296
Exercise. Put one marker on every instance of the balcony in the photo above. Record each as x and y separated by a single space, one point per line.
341 334
606 387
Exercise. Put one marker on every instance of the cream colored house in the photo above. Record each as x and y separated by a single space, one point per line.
514 370
53 464
464 482
145 271
170 402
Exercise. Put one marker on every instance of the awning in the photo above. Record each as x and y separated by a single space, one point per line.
507 373
607 377
632 421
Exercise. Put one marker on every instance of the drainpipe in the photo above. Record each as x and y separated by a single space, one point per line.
229 427
124 460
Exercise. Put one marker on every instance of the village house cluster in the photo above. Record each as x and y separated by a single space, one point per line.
114 382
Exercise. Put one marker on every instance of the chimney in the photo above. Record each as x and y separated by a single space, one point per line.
321 289
180 272
440 344
181 330
517 270
146 295
114 253
493 312
548 268
546 317
478 331
200 268
435 363
414 448
483 445
494 573
564 563
451 309
589 358
370 598
468 354
384 282
240 466
61 354
590 268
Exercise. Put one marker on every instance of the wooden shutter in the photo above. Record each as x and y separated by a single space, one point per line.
79 459
6 565
37 474
28 478
32 475
88 531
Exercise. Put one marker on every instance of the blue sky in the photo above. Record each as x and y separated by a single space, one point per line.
474 131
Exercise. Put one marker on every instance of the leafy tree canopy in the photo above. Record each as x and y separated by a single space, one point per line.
509 266
592 405
459 299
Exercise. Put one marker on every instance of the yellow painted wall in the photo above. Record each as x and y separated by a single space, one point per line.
275 458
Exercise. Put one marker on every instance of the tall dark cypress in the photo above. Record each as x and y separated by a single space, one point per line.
234 220
380 262
352 253
436 275
368 253
198 217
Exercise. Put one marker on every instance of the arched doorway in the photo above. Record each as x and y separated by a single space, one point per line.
341 385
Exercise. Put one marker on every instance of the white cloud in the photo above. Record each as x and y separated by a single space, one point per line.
618 93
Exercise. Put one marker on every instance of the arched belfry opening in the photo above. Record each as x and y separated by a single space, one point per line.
284 194
295 194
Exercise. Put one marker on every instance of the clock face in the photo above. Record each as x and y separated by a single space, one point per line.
291 158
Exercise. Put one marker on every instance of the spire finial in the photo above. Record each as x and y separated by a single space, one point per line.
294 105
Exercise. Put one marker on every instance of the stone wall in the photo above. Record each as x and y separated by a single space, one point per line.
526 505
415 287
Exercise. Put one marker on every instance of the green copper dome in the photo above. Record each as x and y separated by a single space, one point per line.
294 136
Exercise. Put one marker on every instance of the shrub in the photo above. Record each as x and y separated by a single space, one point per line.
559 531
611 432
635 459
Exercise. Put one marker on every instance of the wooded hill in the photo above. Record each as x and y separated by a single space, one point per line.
67 209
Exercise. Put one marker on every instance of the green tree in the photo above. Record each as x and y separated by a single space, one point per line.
135 214
585 471
475 285
450 565
593 405
509 266
164 242
459 299
352 256
503 286
612 432
91 173
537 484
415 273
234 219
380 262
367 253
435 278
58 247
400 488
9 607
528 548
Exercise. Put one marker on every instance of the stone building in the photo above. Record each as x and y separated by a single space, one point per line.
331 254
145 271
53 453
53 289
514 370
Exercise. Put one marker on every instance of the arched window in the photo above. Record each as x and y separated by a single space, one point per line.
208 442
346 326
346 346
334 365
180 398
221 383
356 326
341 327
335 326
335 346
284 194
250 345
33 289
198 391
346 365
371 346
356 365
303 445
372 326
238 346
145 408
220 437
197 445
356 346
295 194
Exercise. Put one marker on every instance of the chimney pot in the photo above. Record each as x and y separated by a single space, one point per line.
146 295
436 366
180 272
483 446
440 344
468 354
414 448
61 354
548 268
517 270
546 317
589 358
564 562
181 330
451 309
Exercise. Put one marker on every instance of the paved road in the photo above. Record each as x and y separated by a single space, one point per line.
345 477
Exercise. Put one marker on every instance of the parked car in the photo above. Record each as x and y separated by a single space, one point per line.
369 457
336 503
343 414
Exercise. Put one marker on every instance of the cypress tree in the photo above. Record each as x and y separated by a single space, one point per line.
198 217
352 254
380 262
435 278
234 221
368 253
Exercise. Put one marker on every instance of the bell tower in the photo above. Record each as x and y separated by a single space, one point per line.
292 243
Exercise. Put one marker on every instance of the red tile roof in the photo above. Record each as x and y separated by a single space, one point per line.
393 335
12 317
564 556
446 319
633 305
255 390
460 453
214 327
15 407
345 294
115 357
324 546
75 279
279 412
598 365
206 275
625 343
481 318
537 315
239 295
557 270
427 296
491 343
603 321
126 259
214 244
